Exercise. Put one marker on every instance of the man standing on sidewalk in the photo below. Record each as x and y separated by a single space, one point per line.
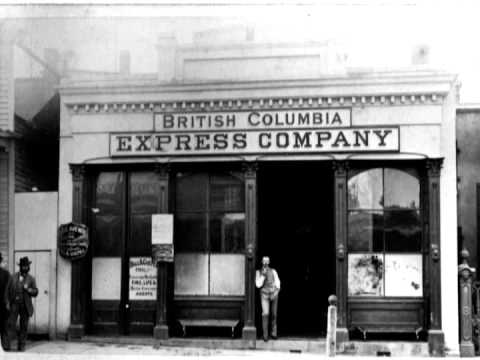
21 292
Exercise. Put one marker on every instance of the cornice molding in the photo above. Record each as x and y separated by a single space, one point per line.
270 103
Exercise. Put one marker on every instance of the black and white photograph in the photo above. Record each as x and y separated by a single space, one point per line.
258 179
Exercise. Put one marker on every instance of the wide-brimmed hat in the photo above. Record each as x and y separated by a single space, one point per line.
24 261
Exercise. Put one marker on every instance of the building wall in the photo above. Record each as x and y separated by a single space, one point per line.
7 150
468 133
421 104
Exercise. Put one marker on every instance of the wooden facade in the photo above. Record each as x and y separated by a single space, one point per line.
301 195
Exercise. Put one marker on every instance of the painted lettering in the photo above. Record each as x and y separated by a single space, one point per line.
302 141
382 137
341 139
265 140
143 143
124 143
364 138
239 141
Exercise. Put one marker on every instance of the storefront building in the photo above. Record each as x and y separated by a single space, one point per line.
345 179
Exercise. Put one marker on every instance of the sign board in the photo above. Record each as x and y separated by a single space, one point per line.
142 279
254 120
73 240
162 237
255 132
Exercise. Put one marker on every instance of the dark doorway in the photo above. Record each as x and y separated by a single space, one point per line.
296 229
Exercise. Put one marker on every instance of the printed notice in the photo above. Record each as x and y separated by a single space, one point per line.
143 279
162 237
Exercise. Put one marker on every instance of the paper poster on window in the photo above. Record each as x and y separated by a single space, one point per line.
162 229
162 237
403 275
143 279
365 274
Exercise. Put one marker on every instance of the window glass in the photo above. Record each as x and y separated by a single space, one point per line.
403 231
190 232
365 190
109 192
402 190
226 194
140 240
108 235
144 192
191 194
365 231
227 232
365 274
403 275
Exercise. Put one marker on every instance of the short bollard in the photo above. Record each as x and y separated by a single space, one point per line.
331 344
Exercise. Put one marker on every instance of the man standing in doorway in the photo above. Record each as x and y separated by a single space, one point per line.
267 280
5 282
21 292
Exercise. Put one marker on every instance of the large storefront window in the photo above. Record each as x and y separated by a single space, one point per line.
384 233
209 234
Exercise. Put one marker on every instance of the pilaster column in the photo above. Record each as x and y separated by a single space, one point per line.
249 331
78 291
340 169
160 330
436 337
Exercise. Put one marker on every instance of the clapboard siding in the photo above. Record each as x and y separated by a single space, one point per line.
6 83
4 219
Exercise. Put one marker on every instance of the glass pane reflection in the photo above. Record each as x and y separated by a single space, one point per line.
402 189
144 192
365 231
190 232
365 190
227 232
191 192
403 231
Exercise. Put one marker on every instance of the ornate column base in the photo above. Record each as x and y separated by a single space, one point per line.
467 349
436 343
75 331
249 334
342 338
160 332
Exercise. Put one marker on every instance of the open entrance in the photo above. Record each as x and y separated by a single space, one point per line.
296 229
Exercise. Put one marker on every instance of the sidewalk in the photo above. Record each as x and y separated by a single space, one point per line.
56 350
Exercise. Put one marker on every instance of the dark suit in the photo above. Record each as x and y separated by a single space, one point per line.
5 281
20 296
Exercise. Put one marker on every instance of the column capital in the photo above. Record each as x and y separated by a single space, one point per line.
78 171
434 166
340 167
163 169
250 168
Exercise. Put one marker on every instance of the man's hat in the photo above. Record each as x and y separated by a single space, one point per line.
24 261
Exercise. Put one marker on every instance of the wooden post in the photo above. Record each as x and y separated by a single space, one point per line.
78 291
331 343
249 331
436 337
465 273
340 192
160 331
